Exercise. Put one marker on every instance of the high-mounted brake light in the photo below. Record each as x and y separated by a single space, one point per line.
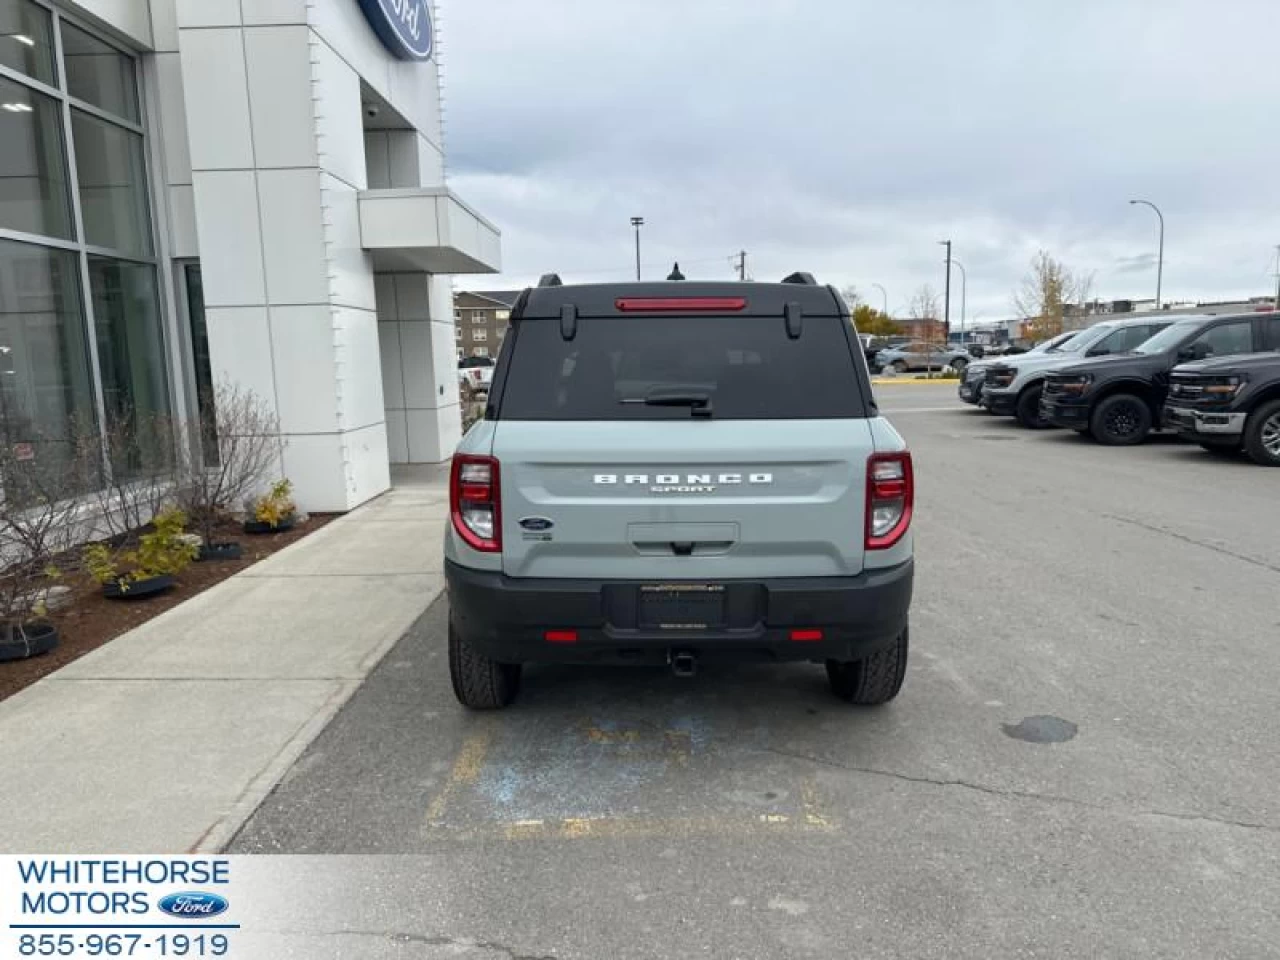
891 494
680 304
475 502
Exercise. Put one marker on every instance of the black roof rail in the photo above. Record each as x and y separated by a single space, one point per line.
801 278
550 280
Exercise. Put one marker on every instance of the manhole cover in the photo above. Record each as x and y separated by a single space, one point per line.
1041 730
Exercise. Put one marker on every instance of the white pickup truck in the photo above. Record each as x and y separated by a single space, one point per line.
476 373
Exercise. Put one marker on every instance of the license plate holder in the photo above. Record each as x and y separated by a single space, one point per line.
682 606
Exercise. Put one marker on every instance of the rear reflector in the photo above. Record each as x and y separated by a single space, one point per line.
680 304
806 636
561 636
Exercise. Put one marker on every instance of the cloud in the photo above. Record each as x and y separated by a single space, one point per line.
847 138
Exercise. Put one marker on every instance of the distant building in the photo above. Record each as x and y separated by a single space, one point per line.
928 329
481 318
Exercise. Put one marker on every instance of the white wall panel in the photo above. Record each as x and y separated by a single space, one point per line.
279 75
360 387
226 204
216 94
240 349
305 368
350 265
208 13
339 114
273 12
293 236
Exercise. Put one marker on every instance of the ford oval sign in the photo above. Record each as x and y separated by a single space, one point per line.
537 524
194 906
403 26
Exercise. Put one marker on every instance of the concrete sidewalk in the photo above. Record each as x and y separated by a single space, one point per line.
169 737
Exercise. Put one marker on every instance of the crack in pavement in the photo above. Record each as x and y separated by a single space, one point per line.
1010 793
439 940
1194 542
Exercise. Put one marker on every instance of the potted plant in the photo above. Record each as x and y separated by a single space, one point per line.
42 498
235 444
162 554
274 511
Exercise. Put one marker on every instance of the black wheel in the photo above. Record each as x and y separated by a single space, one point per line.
873 680
1262 435
478 682
1121 420
1027 409
958 365
900 366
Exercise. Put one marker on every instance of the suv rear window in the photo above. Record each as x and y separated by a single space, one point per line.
748 366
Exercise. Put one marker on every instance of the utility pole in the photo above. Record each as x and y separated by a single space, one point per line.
1160 261
742 266
884 293
1277 305
637 222
947 307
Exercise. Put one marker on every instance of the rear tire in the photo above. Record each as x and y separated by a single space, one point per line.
1262 435
478 682
873 680
900 366
1121 420
1028 408
958 365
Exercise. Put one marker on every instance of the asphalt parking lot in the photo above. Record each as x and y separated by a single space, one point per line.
1118 603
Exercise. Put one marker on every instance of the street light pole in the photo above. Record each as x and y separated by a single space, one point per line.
637 222
947 307
964 294
1160 262
884 293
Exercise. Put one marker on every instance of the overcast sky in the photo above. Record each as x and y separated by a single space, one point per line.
847 137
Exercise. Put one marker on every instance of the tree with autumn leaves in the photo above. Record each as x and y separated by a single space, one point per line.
1045 293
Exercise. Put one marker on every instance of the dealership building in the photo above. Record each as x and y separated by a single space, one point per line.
194 191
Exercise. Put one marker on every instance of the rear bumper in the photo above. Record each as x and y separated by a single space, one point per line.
507 619
1204 423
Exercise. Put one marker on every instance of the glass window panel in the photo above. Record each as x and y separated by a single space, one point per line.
99 73
46 392
26 40
126 312
113 177
34 192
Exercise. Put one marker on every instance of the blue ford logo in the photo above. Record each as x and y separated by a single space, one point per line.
403 26
537 524
194 906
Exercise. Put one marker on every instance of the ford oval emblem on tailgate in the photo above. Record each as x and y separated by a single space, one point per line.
537 524
194 906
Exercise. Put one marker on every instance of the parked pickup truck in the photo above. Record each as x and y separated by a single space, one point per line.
1120 399
1230 403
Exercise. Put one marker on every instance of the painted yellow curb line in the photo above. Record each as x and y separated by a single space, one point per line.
954 381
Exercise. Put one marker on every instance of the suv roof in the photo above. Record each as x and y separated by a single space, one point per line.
600 299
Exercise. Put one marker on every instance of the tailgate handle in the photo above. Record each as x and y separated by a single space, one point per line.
683 548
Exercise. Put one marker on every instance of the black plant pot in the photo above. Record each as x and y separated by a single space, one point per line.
220 551
258 529
26 640
139 589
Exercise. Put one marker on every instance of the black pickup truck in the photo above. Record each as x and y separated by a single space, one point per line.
1229 403
1120 399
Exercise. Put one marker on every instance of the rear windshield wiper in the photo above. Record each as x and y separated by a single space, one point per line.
697 400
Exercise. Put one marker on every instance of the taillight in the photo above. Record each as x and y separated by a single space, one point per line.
891 494
475 501
680 304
